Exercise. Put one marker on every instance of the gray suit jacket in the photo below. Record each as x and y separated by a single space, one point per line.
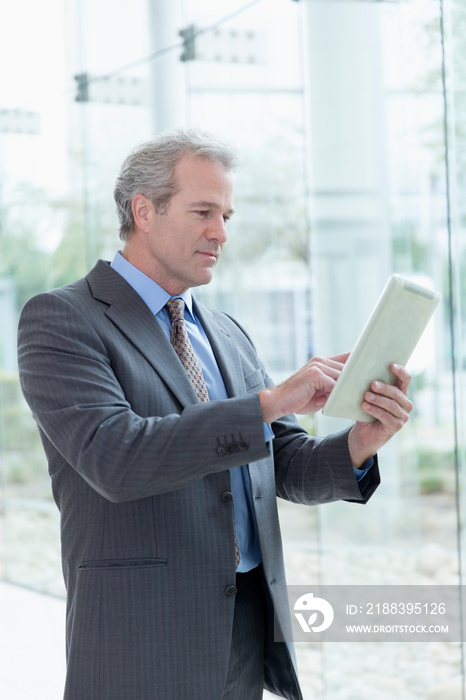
138 469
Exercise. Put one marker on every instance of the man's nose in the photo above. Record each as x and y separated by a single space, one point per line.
218 229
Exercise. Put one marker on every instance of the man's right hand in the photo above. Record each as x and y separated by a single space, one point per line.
305 392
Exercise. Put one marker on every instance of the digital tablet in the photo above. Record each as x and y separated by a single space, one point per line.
389 336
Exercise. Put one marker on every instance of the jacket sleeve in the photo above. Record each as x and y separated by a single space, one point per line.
87 421
312 470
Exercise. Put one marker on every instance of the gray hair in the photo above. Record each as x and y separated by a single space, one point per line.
149 169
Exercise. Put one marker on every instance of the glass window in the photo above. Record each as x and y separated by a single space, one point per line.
349 117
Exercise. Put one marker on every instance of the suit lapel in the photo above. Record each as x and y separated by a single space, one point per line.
133 317
226 352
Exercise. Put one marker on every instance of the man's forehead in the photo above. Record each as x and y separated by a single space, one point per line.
200 180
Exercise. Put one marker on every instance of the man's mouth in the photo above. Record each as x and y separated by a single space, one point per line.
209 254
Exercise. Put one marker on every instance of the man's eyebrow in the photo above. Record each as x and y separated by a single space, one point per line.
209 205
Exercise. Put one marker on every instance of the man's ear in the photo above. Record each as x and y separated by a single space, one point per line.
143 211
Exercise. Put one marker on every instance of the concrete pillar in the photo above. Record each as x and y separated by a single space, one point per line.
350 233
350 246
167 71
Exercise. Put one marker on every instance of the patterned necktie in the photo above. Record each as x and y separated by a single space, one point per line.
184 350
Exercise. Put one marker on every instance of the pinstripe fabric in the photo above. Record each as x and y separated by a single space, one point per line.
245 677
138 475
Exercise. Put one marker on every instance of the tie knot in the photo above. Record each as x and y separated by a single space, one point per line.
175 308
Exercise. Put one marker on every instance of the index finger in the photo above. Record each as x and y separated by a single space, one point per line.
340 358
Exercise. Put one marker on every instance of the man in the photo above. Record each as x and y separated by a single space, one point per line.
165 475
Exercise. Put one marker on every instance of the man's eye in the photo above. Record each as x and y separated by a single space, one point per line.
202 212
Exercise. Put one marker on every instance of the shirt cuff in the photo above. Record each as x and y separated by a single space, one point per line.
268 433
362 471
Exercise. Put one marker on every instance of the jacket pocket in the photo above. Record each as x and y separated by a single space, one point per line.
122 563
254 381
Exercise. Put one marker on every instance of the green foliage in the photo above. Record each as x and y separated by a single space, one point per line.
409 252
27 225
43 245
271 203
436 470
45 242
308 423
22 453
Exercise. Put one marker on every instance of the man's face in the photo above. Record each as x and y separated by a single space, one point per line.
185 242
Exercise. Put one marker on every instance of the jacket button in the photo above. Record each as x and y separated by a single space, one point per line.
227 497
230 591
243 445
220 450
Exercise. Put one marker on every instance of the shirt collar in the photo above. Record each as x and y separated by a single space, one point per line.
150 292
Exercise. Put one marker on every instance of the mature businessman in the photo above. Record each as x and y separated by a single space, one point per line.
167 445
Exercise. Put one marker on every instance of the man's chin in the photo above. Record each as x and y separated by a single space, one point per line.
205 276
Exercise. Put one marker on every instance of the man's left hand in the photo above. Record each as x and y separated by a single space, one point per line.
390 406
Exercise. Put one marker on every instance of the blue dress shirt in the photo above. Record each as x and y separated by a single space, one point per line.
156 297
